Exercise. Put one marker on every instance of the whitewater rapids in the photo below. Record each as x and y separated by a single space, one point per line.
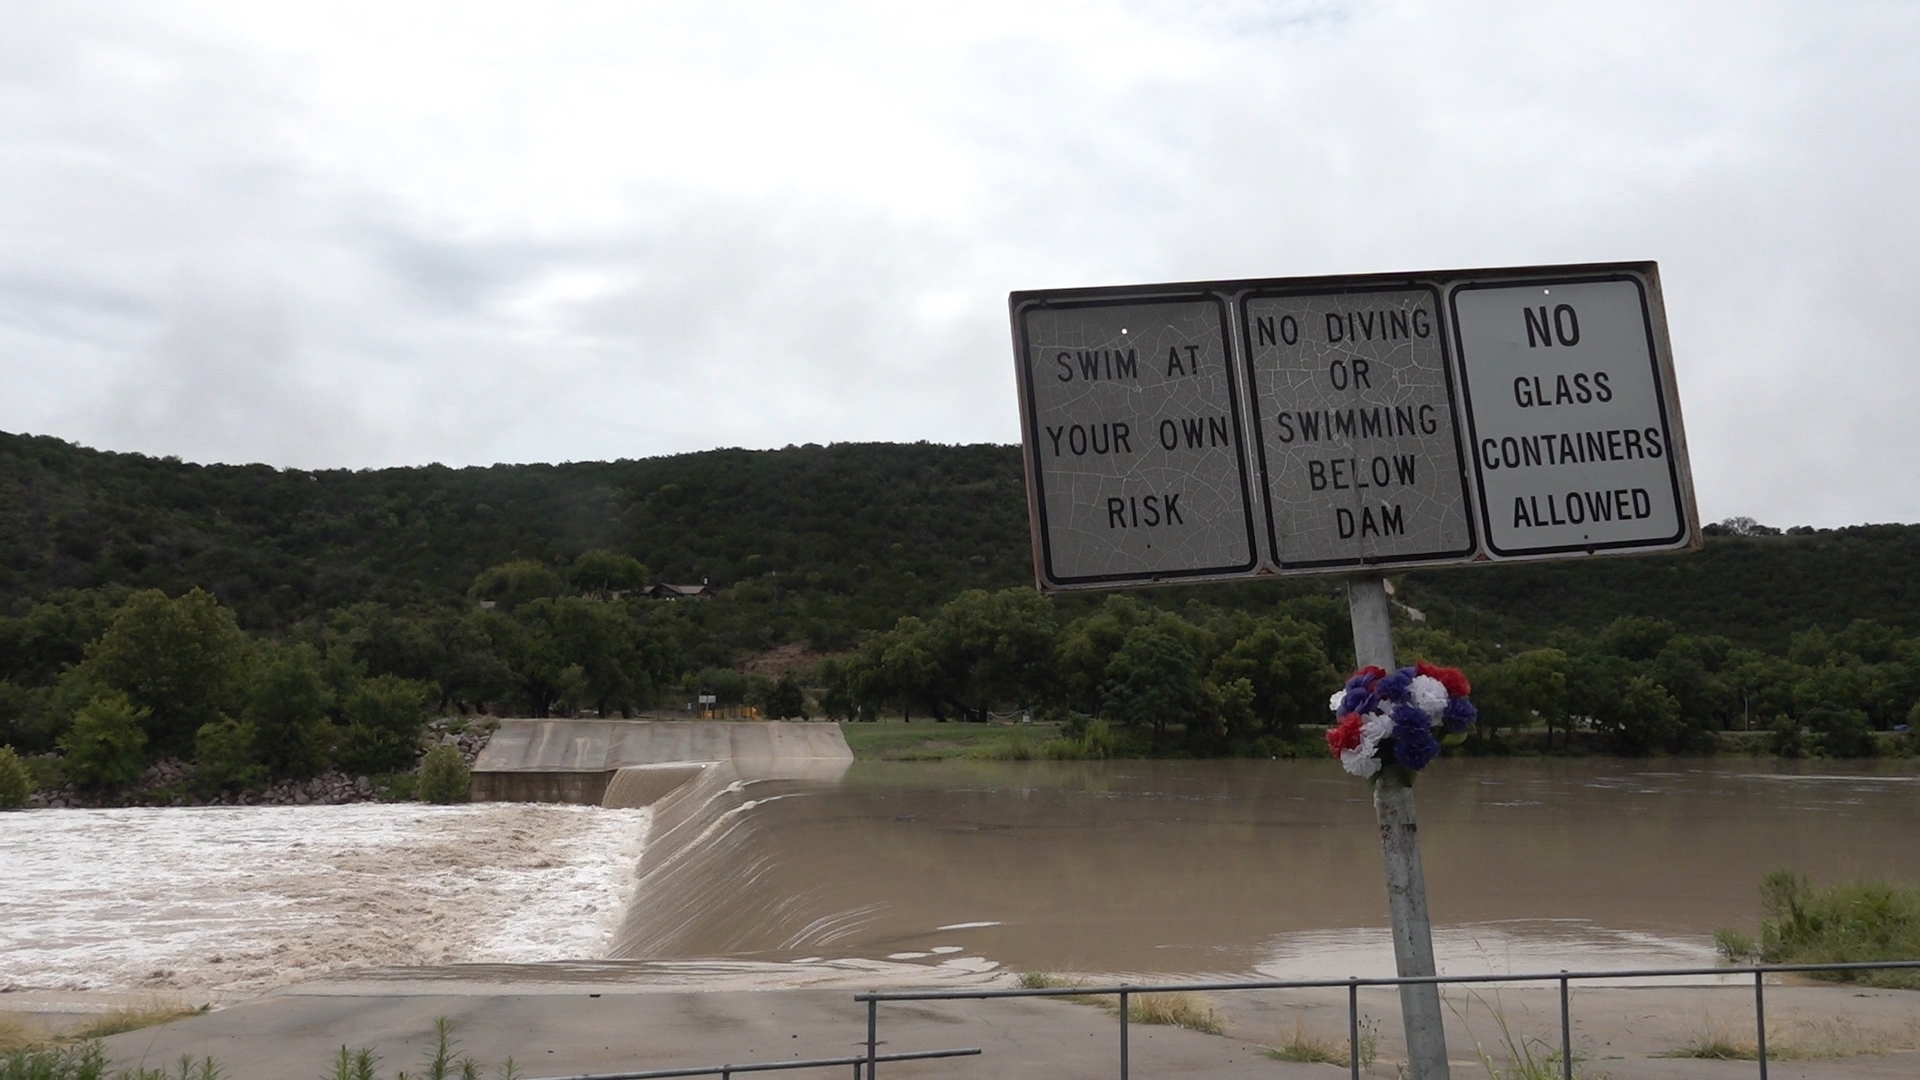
234 900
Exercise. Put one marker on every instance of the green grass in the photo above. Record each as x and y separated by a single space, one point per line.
64 1059
88 1061
1849 922
926 740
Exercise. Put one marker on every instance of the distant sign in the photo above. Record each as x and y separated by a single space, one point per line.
1319 425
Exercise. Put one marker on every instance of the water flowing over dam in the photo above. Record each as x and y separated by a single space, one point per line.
700 890
772 846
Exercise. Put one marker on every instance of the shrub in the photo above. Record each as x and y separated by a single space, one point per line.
287 708
385 717
105 747
1845 923
786 699
1843 732
15 784
444 777
223 757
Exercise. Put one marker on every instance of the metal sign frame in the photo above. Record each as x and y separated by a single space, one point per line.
1255 480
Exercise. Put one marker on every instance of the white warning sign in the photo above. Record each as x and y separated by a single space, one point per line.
1236 429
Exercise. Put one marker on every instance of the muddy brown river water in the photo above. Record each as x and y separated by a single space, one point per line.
1273 867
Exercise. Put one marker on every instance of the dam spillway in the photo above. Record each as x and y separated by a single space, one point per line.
576 761
700 884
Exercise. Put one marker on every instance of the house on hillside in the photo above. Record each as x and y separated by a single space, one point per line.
664 591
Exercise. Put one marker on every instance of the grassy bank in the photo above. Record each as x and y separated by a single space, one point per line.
927 740
892 740
1848 922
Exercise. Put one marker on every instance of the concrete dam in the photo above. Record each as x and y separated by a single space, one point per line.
700 875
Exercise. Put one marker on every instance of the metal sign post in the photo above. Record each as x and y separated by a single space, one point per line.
1234 430
1400 846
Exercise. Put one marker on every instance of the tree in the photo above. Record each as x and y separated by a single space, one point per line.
1526 687
224 757
599 639
993 649
105 747
178 662
786 699
604 573
1288 670
511 584
287 712
1635 638
1151 680
1645 718
385 719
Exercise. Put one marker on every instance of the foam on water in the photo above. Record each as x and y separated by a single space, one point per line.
238 899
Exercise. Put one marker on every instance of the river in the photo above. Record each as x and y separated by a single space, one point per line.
1273 867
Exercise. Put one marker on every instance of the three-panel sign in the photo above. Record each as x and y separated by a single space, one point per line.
1225 430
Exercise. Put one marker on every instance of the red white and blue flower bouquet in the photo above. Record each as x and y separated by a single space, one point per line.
1399 719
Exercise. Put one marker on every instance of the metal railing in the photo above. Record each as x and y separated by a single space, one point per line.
1565 979
858 1061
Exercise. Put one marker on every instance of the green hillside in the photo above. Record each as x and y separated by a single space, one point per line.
210 606
851 536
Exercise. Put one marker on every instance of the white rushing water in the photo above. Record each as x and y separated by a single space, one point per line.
237 899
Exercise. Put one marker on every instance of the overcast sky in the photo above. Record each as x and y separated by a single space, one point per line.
386 233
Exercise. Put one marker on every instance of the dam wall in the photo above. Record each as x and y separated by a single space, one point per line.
576 761
699 888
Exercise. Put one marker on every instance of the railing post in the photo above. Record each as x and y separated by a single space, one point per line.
1353 1025
873 1038
1760 1019
1566 1030
1123 1035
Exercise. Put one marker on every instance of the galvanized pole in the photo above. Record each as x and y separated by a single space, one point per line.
1399 843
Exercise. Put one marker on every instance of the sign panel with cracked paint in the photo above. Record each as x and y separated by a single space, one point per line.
1354 422
1135 459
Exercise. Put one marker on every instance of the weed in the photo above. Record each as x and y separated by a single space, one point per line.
17 1033
1796 1038
1735 947
152 1013
354 1064
1174 1010
441 1064
85 1062
204 1069
1308 1048
1040 980
1525 1057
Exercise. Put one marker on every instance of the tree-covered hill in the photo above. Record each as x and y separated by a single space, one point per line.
875 529
841 540
270 622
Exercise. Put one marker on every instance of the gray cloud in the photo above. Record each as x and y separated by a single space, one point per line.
602 232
